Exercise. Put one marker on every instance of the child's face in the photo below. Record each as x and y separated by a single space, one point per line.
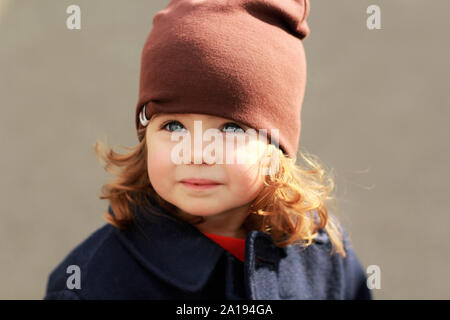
239 182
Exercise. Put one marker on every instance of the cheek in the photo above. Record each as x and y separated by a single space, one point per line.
160 168
245 181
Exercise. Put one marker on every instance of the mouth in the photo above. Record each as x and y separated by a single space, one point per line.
200 184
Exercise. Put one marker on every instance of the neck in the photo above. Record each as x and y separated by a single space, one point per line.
229 223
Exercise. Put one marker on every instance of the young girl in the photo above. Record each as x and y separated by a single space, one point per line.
212 226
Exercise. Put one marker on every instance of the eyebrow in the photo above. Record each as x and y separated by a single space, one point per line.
156 115
160 115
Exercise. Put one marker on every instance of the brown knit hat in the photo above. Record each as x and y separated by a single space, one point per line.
239 59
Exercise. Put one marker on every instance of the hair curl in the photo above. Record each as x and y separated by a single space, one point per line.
292 206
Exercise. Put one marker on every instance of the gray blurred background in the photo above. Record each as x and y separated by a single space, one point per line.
376 111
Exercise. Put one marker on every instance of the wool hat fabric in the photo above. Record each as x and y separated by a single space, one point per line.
238 59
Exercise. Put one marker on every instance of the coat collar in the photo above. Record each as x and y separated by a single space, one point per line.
170 248
178 253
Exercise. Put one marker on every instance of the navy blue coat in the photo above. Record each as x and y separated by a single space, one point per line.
166 258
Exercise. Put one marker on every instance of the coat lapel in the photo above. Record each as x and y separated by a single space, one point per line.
286 273
172 249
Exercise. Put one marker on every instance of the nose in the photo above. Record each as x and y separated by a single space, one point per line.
203 153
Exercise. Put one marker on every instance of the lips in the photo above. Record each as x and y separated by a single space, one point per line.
195 181
200 184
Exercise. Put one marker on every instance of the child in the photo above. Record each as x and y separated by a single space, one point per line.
214 227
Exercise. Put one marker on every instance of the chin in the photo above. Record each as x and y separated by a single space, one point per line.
201 210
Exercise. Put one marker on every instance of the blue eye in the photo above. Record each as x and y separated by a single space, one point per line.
175 124
233 125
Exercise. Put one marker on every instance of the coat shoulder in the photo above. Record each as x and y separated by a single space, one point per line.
334 276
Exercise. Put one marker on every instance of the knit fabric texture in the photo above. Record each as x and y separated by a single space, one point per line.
242 60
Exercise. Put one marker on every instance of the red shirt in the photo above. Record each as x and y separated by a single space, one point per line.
235 246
